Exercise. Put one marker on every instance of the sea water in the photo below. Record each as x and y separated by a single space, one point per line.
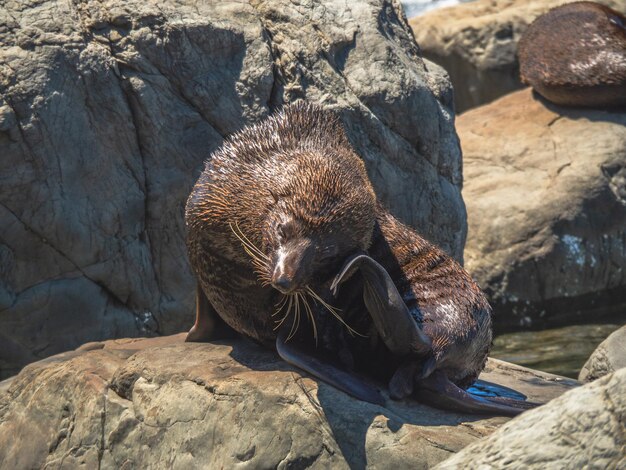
561 351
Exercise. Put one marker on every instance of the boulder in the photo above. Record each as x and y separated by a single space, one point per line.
109 108
476 43
609 356
160 402
583 428
545 189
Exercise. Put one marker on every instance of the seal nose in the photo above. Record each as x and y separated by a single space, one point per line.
283 284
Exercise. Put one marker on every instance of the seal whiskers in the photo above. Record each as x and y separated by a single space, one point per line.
294 301
309 313
280 322
334 311
259 259
296 318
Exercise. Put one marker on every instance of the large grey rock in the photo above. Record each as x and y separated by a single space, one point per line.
108 109
168 404
609 356
476 43
545 189
583 428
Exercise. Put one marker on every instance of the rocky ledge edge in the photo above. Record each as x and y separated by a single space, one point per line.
162 402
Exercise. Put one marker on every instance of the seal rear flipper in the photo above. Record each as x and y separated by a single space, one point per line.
438 391
330 374
392 318
500 394
483 388
208 326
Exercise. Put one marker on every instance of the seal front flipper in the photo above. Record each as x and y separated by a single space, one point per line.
437 390
392 318
330 374
208 326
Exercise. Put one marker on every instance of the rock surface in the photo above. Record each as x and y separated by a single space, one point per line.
583 428
609 356
476 43
545 189
108 109
164 403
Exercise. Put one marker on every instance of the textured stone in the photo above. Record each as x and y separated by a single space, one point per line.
164 403
609 356
108 109
583 428
476 43
545 189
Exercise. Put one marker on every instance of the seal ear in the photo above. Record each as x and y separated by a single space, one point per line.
274 196
390 314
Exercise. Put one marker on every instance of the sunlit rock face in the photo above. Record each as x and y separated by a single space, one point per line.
545 189
108 110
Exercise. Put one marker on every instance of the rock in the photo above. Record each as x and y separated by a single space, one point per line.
609 356
164 403
108 109
545 189
583 428
476 43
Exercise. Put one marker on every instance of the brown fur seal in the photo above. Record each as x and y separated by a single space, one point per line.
575 55
284 217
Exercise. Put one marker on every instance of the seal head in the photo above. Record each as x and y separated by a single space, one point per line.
322 212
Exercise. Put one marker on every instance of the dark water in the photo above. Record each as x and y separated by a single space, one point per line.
561 351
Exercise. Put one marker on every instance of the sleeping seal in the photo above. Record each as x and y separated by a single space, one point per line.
291 249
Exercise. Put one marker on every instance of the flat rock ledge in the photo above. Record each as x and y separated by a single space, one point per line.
160 402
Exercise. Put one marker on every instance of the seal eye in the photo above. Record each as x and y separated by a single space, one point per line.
617 21
327 252
281 232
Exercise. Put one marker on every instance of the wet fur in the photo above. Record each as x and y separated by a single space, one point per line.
441 296
300 162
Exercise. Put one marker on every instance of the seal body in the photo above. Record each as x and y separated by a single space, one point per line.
575 55
283 223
